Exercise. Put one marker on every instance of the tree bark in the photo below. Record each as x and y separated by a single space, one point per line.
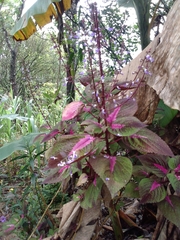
13 47
165 69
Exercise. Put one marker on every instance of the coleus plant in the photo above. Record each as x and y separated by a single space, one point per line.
94 140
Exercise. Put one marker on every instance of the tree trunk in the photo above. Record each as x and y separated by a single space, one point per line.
68 47
13 47
165 69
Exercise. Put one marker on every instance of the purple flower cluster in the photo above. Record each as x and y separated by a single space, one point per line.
2 219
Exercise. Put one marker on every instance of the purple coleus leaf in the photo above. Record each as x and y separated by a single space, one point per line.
72 110
146 141
167 198
95 181
39 137
11 227
177 176
154 186
112 160
82 143
45 126
117 126
112 116
90 122
163 169
50 135
177 169
64 168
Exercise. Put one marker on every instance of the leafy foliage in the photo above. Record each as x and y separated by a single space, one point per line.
94 145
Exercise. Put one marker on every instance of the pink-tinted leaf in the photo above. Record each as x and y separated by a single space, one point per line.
128 106
112 160
170 208
117 126
50 135
10 228
63 145
72 110
154 186
95 181
64 168
154 163
118 178
112 116
148 142
82 143
126 126
177 169
87 109
150 192
39 137
169 200
163 169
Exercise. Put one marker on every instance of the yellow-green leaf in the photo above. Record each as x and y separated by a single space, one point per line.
40 14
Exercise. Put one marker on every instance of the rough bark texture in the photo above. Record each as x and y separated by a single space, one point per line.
146 96
165 69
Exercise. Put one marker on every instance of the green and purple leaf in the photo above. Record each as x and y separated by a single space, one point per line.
126 126
92 127
174 163
63 145
112 160
50 135
72 110
175 182
131 190
128 107
82 143
154 186
151 191
145 141
161 168
112 116
60 174
155 163
118 178
170 208
91 194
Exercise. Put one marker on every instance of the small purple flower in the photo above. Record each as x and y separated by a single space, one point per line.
97 50
76 36
149 58
110 29
81 73
2 219
92 34
147 72
102 79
